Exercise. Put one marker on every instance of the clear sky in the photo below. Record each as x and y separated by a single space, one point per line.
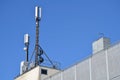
67 29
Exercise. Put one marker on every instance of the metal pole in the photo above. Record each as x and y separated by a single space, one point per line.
37 42
37 18
27 57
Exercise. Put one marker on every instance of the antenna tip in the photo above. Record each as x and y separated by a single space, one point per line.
26 38
38 11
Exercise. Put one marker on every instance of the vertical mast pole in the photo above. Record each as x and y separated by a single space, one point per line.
26 48
37 18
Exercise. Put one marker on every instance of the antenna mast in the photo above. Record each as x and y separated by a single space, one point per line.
37 18
26 48
38 51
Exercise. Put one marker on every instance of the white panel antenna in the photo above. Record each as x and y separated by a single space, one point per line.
38 12
32 65
26 42
23 67
26 39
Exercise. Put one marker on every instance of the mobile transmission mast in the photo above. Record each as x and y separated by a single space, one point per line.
38 52
26 48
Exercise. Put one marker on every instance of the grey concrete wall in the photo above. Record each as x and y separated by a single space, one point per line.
114 61
82 70
98 66
56 77
69 74
104 65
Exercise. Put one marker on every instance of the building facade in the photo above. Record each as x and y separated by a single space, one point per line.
103 64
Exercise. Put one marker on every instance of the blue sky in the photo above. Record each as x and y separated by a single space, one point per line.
67 29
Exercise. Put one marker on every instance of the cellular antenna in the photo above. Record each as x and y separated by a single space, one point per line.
38 12
37 18
38 51
26 48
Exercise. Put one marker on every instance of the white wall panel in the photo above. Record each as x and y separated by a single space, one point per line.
82 70
69 74
98 66
114 60
56 77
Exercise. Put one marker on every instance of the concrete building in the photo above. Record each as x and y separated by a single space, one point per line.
37 73
103 64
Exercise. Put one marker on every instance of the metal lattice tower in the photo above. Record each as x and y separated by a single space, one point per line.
37 18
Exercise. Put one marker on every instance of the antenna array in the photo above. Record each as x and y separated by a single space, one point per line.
37 18
38 51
